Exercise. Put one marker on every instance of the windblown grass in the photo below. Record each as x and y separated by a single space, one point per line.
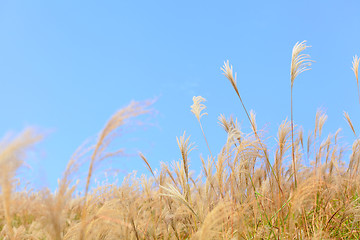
305 189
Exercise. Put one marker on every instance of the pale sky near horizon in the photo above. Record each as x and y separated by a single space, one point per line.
67 66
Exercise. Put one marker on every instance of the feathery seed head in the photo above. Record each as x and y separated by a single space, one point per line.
320 120
355 67
283 132
228 72
227 125
197 107
299 62
234 136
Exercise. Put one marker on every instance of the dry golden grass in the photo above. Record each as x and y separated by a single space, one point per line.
243 192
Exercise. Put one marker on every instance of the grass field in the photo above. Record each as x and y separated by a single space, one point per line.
306 189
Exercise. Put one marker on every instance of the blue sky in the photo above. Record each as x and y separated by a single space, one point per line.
67 66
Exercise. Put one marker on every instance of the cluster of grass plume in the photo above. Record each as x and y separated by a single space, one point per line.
305 189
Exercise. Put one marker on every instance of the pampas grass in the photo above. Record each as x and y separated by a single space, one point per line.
303 188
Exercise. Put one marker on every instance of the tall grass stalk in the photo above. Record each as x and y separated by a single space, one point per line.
299 63
196 109
228 72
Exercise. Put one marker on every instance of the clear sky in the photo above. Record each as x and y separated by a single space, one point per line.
67 66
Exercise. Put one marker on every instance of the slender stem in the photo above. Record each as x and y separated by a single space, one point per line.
205 138
292 139
358 91
261 144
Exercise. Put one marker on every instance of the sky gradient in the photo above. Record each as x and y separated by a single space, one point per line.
67 66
